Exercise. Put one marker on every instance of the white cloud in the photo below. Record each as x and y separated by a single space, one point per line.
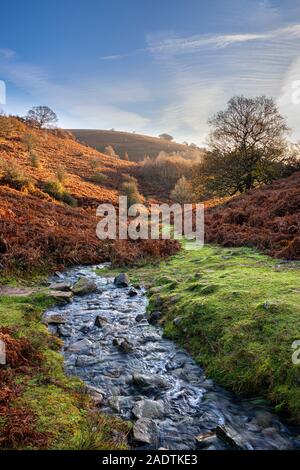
90 103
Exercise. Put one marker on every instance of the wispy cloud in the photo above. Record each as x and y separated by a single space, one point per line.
91 102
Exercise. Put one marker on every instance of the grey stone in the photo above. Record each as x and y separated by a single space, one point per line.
84 286
84 361
60 296
60 286
100 322
139 317
66 331
123 345
145 381
122 280
80 347
154 317
132 293
53 318
145 430
148 409
231 437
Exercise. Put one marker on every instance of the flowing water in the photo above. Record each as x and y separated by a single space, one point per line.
187 404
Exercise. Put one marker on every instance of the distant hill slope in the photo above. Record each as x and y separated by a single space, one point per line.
37 231
136 145
267 218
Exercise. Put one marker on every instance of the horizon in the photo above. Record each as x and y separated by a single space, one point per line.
149 69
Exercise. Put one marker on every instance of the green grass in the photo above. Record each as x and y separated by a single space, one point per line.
59 403
237 313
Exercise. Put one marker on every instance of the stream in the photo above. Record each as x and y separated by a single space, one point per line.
149 380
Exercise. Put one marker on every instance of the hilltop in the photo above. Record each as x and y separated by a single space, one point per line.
136 145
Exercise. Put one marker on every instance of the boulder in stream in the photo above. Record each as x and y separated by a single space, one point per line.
123 345
100 322
148 409
61 286
61 297
50 318
82 346
145 431
84 286
122 280
149 382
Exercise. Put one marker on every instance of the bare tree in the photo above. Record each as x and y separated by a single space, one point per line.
247 146
166 137
41 116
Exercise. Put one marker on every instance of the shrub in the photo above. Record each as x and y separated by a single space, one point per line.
57 190
183 192
98 177
61 174
129 179
94 163
29 141
166 169
130 190
13 176
70 200
34 160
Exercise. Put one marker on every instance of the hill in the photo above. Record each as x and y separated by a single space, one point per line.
267 218
136 145
50 186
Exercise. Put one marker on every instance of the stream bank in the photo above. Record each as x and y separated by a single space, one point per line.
139 375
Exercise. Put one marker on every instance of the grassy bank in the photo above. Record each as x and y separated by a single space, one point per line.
40 407
238 313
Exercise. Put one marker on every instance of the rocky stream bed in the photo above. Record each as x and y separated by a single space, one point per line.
135 373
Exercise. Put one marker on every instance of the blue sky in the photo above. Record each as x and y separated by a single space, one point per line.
148 67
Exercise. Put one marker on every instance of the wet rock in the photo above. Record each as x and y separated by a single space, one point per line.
84 286
132 293
86 328
60 286
85 361
123 345
154 317
100 322
53 318
148 409
149 382
262 419
122 280
206 439
231 437
139 317
119 403
80 347
145 431
66 331
150 338
59 275
61 297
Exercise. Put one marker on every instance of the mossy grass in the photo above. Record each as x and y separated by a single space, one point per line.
60 404
239 315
